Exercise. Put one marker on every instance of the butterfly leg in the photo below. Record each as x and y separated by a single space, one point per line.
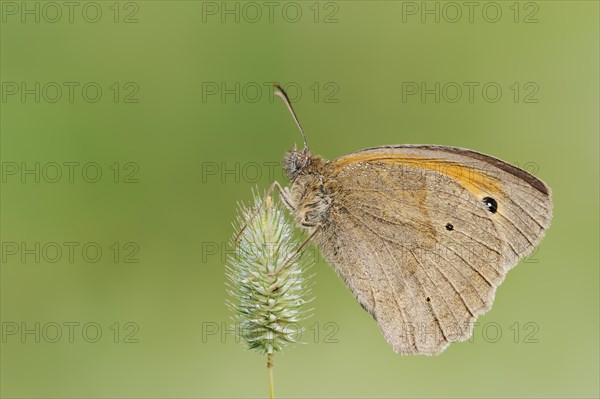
283 195
297 250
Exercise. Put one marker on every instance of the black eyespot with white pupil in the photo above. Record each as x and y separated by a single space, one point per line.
449 227
490 204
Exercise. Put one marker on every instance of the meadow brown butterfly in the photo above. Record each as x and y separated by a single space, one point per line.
421 234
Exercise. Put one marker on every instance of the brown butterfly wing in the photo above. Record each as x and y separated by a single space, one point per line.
412 232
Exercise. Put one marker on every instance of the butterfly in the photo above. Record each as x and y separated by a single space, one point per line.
421 234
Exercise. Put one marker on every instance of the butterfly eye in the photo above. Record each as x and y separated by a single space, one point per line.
491 204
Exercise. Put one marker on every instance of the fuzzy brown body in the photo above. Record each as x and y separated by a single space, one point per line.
422 235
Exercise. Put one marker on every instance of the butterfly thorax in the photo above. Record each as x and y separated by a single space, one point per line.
308 195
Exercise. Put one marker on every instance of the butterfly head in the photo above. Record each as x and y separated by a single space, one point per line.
294 162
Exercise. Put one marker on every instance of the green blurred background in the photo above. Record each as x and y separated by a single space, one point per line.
181 134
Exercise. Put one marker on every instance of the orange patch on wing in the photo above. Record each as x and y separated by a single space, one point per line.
474 180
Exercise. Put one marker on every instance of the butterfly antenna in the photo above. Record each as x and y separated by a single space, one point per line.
279 92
